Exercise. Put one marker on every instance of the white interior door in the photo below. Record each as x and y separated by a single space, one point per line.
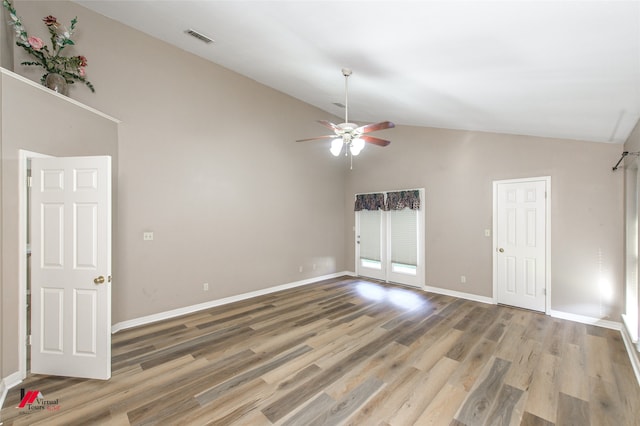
521 246
71 266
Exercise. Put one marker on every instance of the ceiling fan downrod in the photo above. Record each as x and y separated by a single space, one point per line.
346 72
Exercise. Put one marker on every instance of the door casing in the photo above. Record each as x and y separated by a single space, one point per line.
23 158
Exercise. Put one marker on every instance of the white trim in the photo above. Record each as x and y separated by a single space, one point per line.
547 180
123 325
629 328
614 325
6 384
632 351
23 157
51 92
459 294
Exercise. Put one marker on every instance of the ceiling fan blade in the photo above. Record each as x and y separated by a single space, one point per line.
375 141
329 125
317 137
373 127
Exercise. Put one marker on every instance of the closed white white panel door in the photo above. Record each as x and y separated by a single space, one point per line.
370 256
71 266
521 244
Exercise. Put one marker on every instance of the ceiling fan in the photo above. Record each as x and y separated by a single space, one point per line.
350 135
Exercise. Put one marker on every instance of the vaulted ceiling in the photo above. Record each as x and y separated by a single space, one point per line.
567 69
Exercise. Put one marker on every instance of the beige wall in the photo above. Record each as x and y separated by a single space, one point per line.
633 143
457 169
6 41
35 120
10 368
208 163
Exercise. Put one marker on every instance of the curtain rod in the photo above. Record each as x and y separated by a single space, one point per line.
624 154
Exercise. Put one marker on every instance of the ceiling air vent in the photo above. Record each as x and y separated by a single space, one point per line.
199 36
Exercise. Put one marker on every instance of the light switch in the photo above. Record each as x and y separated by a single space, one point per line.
487 232
147 236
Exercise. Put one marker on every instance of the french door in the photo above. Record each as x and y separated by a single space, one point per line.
390 245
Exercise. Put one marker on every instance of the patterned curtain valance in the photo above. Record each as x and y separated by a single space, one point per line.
369 202
403 199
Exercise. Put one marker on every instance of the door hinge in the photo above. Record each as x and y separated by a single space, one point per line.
29 181
29 340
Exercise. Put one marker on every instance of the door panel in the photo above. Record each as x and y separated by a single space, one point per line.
404 231
71 247
521 243
369 244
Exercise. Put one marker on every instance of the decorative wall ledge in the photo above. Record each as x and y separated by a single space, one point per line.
51 92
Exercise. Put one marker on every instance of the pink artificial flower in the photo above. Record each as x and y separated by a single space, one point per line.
81 72
83 61
35 43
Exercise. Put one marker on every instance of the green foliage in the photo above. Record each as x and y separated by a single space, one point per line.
72 68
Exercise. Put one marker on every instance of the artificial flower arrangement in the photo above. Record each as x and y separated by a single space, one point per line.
71 68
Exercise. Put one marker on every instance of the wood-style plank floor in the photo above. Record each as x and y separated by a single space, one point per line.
353 352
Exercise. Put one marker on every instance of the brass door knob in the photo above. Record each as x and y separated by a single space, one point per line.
501 250
99 280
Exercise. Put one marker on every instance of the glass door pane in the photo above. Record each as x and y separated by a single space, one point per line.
369 243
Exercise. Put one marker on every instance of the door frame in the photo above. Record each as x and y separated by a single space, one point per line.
385 249
547 266
23 158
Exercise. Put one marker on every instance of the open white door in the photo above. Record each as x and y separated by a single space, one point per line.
71 266
520 230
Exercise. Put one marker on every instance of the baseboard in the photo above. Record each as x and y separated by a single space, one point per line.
586 320
632 351
6 384
460 295
218 302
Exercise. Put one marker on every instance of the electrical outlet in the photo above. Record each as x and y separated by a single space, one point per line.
314 266
463 279
205 286
300 268
147 236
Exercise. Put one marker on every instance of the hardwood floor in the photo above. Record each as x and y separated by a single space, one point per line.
353 352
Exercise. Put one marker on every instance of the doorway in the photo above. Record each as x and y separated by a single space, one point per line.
24 261
521 229
390 240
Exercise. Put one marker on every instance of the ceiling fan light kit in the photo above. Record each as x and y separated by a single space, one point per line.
350 135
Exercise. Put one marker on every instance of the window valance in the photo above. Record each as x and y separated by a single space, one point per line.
403 199
369 202
396 200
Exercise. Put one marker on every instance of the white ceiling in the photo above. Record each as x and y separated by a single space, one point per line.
567 69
